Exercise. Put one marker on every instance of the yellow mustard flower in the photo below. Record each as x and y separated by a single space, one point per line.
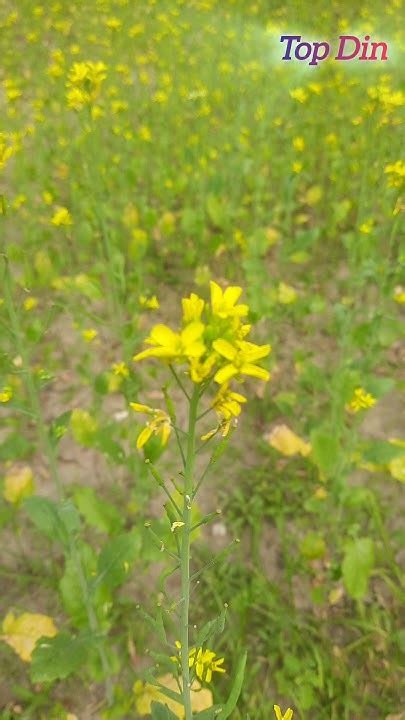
120 369
159 425
18 484
61 216
201 370
6 393
6 152
298 143
89 334
286 294
205 664
203 661
169 345
227 405
30 303
279 715
399 295
22 633
223 303
192 308
242 358
84 83
361 400
151 303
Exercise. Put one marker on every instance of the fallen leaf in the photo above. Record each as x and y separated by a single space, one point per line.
22 633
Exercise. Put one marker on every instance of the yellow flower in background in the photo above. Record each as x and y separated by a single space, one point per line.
30 303
361 400
160 425
6 152
279 715
286 294
299 94
223 303
23 633
145 694
366 227
89 334
287 442
145 133
18 484
396 173
151 303
242 358
120 369
399 295
61 216
169 345
84 83
192 308
298 144
6 393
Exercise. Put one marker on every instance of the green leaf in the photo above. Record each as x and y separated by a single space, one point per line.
69 516
156 624
109 446
162 712
313 546
357 565
58 657
14 447
230 705
116 558
73 587
84 427
97 512
208 714
325 450
44 514
211 629
381 452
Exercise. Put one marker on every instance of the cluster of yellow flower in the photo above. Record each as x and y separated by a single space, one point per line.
212 345
361 400
84 83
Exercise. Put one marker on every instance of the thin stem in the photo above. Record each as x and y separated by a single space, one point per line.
179 383
203 414
185 554
183 457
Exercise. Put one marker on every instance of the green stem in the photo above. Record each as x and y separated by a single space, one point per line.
185 554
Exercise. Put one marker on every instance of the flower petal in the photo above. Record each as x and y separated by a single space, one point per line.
232 294
225 373
163 335
216 294
141 408
255 371
143 437
157 352
191 333
224 348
